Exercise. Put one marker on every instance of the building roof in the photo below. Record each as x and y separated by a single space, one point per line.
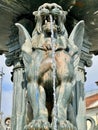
92 101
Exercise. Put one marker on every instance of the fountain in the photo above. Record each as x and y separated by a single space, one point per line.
48 74
50 53
54 75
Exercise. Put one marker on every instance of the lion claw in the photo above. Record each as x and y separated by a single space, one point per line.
38 125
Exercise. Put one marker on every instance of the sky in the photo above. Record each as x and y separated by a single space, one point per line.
7 85
92 75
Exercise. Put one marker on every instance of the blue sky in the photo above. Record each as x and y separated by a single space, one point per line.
7 85
6 88
92 75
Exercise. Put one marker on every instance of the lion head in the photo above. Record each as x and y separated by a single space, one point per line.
43 20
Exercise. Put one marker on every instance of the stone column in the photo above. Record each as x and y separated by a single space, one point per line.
19 82
19 97
80 107
80 101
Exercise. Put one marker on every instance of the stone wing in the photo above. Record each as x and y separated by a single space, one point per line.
76 40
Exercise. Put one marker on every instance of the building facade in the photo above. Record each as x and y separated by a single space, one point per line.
92 107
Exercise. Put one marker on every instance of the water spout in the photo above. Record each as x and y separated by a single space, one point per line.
54 76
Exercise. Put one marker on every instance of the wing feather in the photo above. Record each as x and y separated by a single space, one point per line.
76 41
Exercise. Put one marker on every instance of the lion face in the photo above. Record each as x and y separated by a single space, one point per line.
43 20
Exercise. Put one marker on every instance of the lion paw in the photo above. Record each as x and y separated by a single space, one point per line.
38 125
65 125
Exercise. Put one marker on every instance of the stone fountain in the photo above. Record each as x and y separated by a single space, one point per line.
40 110
49 57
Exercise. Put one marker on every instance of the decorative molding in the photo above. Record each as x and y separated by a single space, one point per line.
13 46
86 57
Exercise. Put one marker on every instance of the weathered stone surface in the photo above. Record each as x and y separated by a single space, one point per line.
23 51
36 54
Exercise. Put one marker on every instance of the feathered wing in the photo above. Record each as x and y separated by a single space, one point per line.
25 43
76 41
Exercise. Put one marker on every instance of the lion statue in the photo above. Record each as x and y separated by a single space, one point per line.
38 63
